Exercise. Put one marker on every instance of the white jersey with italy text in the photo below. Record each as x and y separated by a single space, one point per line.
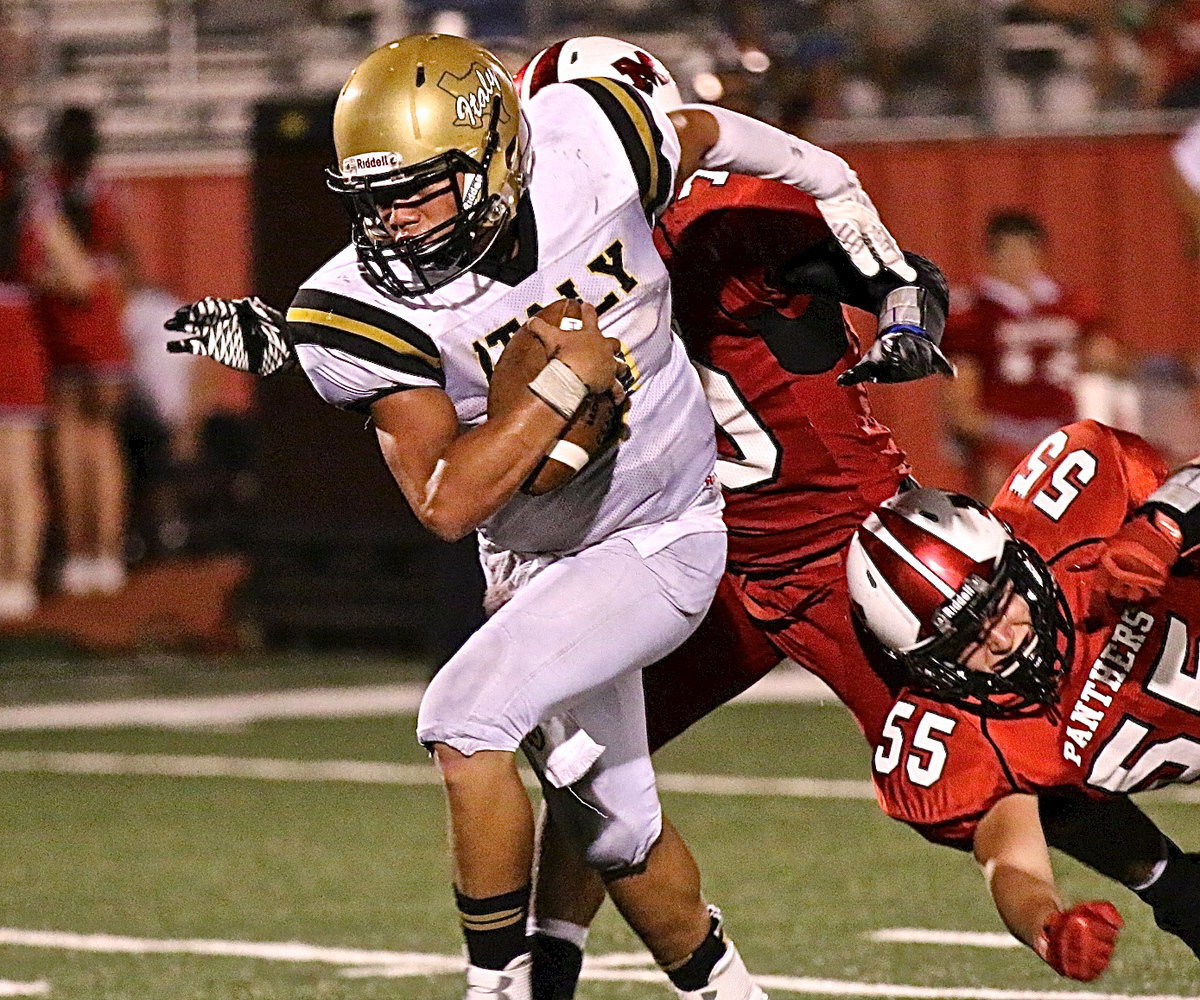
602 165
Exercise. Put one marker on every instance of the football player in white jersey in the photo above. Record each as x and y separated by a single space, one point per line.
469 214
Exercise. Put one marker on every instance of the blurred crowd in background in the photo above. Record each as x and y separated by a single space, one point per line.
113 453
1003 63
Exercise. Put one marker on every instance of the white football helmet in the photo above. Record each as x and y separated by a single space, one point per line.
928 571
600 56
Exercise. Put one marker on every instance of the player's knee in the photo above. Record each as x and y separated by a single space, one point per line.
444 719
621 844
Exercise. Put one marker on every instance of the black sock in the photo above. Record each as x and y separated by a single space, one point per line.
494 927
1175 897
694 973
556 965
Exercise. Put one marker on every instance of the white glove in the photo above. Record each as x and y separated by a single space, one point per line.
244 334
855 223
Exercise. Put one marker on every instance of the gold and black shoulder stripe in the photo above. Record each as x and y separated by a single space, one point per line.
634 124
364 331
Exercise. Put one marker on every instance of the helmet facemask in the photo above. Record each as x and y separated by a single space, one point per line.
1030 677
440 254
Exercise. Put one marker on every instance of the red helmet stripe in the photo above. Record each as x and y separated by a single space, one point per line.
950 564
917 592
543 71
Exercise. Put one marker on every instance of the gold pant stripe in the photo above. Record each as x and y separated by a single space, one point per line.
491 923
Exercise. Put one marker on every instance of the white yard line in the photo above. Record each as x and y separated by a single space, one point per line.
367 772
217 710
360 963
364 772
783 686
269 951
10 989
968 939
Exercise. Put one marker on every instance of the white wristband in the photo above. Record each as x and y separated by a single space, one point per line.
559 388
569 454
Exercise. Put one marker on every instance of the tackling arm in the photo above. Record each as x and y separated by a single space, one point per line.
912 315
1010 846
713 138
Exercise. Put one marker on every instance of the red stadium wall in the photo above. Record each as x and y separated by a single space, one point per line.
192 233
1113 233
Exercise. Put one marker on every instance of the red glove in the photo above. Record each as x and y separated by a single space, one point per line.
1078 943
1136 562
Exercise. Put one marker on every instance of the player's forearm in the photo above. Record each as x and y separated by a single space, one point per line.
715 138
1024 900
483 468
824 269
1011 849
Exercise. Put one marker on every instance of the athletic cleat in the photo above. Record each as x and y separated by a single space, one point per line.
514 982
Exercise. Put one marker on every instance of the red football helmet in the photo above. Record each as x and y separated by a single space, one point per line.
598 55
929 571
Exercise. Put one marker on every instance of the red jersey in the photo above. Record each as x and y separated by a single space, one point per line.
1129 715
1026 346
801 459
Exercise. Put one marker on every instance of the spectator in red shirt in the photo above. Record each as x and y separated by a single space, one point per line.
1016 339
89 362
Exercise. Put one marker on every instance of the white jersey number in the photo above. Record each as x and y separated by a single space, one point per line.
927 759
1124 764
1070 475
758 453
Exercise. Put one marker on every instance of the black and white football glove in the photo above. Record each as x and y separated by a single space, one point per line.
912 319
244 334
900 354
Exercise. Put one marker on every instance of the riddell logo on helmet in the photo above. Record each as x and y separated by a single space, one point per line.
472 106
943 618
370 163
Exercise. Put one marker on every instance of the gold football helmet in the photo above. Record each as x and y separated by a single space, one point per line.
428 113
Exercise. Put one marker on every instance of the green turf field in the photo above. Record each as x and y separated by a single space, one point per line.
124 874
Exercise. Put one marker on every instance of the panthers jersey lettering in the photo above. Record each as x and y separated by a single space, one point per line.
801 459
602 158
1129 715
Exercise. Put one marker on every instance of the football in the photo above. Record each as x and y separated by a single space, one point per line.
592 428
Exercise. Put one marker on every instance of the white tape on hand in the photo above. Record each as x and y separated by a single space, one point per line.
569 454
